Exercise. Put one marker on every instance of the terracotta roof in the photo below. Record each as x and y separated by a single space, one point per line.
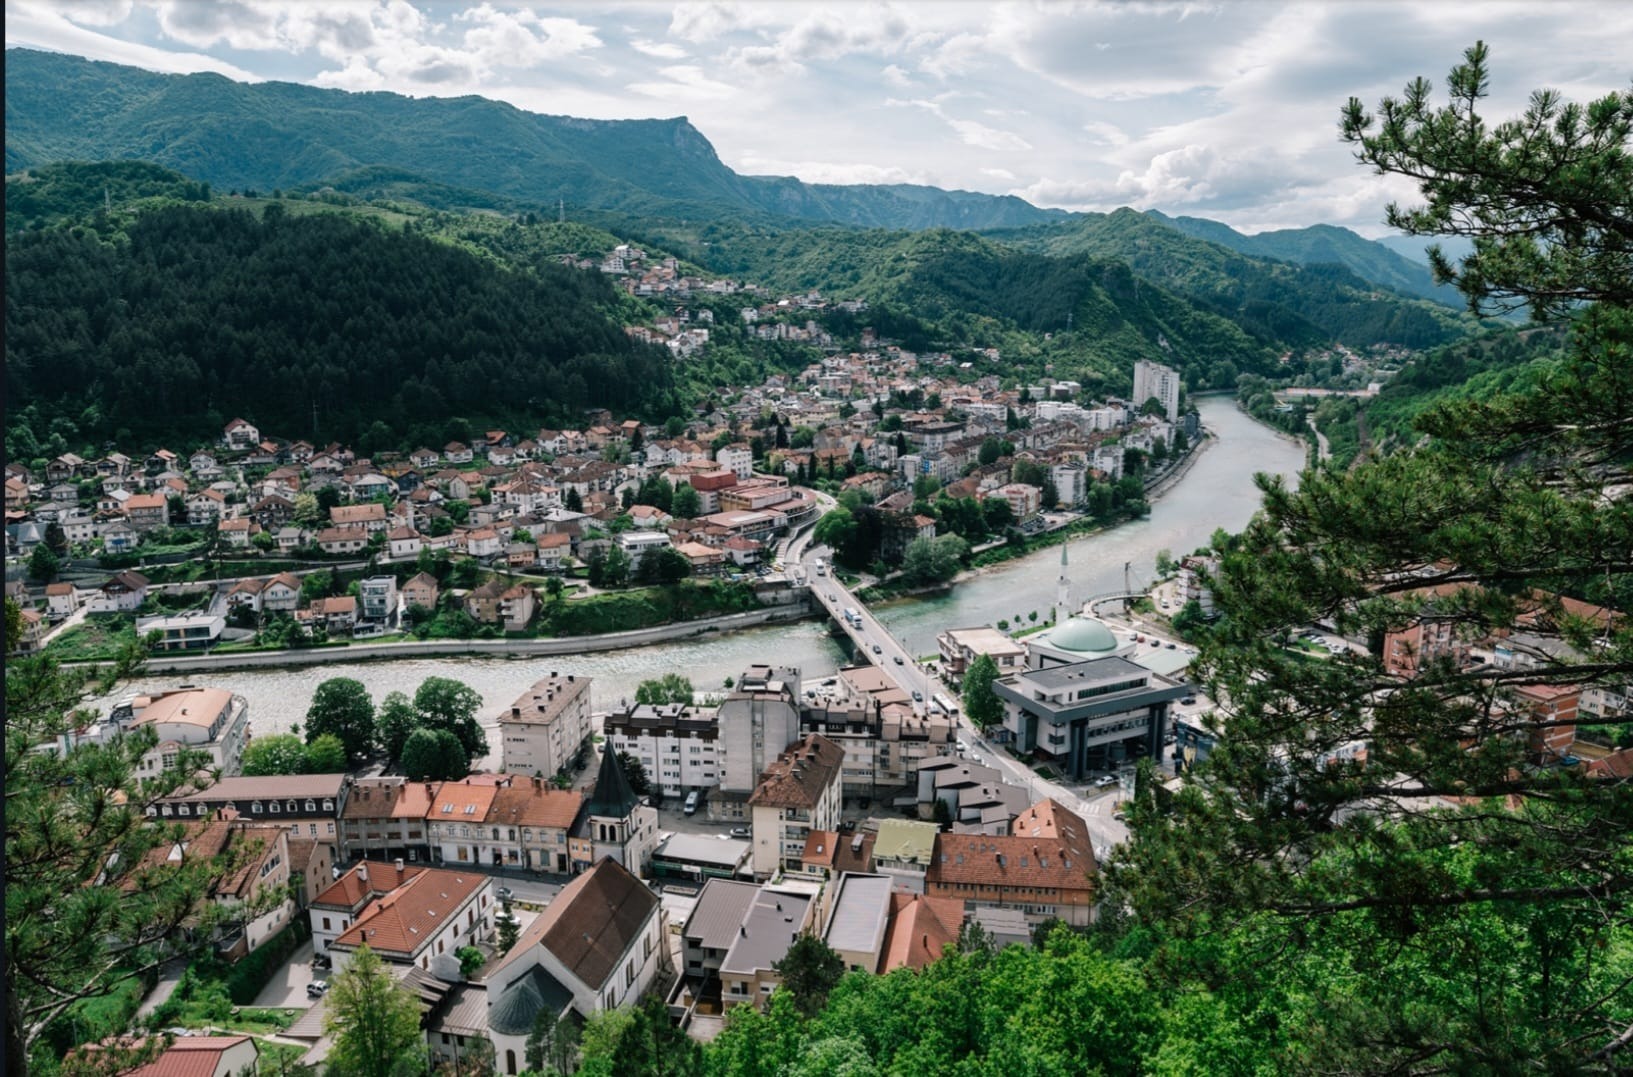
194 706
800 774
832 850
1048 847
407 918
192 1056
920 926
352 889
535 803
388 798
590 924
462 801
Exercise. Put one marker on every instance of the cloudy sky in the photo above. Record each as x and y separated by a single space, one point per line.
1225 109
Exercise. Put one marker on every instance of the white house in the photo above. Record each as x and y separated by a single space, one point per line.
596 947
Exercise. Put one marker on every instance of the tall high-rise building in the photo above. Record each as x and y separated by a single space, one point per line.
1155 380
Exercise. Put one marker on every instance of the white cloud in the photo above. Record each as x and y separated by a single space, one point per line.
988 138
663 50
94 12
895 76
41 26
684 82
838 172
522 38
1000 174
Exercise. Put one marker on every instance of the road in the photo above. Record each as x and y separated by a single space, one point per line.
1095 808
873 641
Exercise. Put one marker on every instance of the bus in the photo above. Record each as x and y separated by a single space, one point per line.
944 703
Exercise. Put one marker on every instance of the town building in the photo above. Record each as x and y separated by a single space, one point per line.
544 729
309 803
1089 716
536 819
1044 867
776 916
800 791
385 818
429 915
598 946
676 745
961 646
212 722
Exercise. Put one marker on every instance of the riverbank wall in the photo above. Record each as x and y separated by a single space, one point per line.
488 648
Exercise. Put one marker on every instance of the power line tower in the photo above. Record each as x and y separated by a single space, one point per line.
561 210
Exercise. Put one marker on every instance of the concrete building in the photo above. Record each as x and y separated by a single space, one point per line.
309 803
1155 380
210 721
182 631
757 720
678 746
713 927
856 918
428 917
543 730
799 792
961 646
378 597
1090 716
1044 867
777 916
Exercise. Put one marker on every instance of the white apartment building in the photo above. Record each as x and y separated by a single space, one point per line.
1156 380
798 793
678 746
543 729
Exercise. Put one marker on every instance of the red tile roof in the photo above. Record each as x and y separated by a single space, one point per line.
408 917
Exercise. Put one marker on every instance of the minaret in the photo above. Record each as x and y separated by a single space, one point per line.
1063 591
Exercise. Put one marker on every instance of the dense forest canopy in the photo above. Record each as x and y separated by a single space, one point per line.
316 326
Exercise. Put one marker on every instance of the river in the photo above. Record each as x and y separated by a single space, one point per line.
1218 492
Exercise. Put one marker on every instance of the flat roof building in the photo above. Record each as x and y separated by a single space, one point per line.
1088 716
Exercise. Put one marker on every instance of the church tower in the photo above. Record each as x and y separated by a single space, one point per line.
615 820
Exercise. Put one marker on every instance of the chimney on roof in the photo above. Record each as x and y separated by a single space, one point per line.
399 869
363 872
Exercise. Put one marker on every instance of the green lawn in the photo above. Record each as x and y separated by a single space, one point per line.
98 637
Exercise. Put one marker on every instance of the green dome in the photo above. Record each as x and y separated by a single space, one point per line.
1081 635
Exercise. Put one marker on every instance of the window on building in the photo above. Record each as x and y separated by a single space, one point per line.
275 807
326 923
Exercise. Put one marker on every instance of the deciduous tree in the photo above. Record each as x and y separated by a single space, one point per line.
375 1021
342 707
981 704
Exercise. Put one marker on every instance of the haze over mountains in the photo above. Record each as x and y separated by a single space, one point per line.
481 152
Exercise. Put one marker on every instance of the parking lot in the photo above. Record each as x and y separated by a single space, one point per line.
289 983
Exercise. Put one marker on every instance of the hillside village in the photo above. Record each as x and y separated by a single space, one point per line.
894 435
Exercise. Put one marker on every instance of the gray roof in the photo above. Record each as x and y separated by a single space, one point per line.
719 911
860 913
512 1013
703 849
774 921
1094 672
612 797
466 1012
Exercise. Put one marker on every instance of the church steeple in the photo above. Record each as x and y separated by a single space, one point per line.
613 798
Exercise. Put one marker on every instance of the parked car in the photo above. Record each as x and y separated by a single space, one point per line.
741 832
691 803
505 893
1105 780
322 961
1170 646
877 649
918 697
1188 700
847 826
316 988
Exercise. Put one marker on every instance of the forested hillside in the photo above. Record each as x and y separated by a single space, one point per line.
1275 301
322 325
279 135
1324 244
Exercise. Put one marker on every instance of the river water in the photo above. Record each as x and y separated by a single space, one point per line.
1217 492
